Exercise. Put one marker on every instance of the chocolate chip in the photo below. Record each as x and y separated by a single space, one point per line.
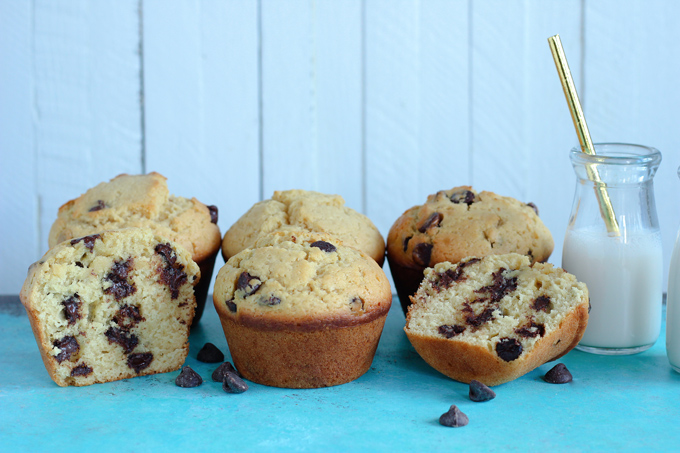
454 418
323 245
508 349
128 316
450 276
451 331
213 214
220 371
123 338
172 275
270 301
72 309
480 392
68 345
534 207
463 196
81 370
541 303
99 206
139 361
500 287
531 331
231 305
406 242
249 284
356 305
559 374
87 240
232 383
188 378
209 353
120 287
478 319
433 221
79 264
422 253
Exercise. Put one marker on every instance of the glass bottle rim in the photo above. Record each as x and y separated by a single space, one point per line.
618 154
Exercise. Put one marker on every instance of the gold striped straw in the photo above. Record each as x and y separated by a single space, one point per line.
579 119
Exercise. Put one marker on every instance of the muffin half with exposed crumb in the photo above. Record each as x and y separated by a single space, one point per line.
302 310
111 306
495 318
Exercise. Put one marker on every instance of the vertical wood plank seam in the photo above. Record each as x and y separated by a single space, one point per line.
260 109
471 81
364 185
142 109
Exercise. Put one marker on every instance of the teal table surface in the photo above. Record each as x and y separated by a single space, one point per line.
613 403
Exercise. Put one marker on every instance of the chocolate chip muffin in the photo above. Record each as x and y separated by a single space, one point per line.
302 310
110 306
458 223
312 211
495 318
143 201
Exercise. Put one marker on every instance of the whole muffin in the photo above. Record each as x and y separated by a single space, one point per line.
312 211
302 310
143 201
495 318
457 223
110 306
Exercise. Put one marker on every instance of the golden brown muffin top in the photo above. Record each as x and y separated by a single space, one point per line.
461 222
141 201
303 279
312 211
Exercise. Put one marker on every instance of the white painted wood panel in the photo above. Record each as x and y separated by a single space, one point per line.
632 62
312 98
84 101
201 101
18 195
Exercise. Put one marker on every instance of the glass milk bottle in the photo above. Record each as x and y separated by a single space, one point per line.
623 272
673 307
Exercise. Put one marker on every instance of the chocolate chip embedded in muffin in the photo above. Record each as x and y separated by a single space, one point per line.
454 418
356 305
128 316
500 287
123 338
476 320
213 214
231 305
533 206
451 331
99 206
480 392
406 241
81 370
188 378
559 374
508 349
463 196
72 309
172 275
210 353
422 253
139 361
450 276
541 303
120 287
68 345
532 330
247 283
232 383
87 240
270 301
432 221
323 245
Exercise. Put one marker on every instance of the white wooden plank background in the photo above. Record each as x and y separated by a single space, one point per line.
383 102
